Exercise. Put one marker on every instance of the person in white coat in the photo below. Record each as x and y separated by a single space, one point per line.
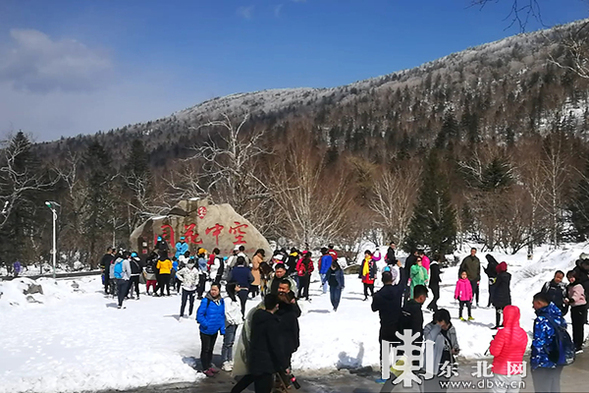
233 318
188 276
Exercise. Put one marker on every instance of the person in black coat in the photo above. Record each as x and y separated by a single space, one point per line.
242 275
387 301
288 313
266 355
491 271
501 292
105 262
390 258
557 291
434 283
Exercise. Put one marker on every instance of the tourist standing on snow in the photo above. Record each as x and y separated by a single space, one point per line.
113 280
391 258
164 267
150 272
265 356
233 318
242 275
425 261
277 277
557 291
472 266
161 246
409 262
419 275
463 294
491 271
368 270
256 261
216 266
188 277
202 271
291 264
335 278
387 301
578 303
434 284
443 334
211 319
548 324
288 313
105 263
181 248
122 273
135 272
324 264
508 347
412 314
304 270
502 292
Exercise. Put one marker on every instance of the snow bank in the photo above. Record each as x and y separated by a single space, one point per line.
74 339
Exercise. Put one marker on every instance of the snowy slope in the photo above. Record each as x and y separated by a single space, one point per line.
76 340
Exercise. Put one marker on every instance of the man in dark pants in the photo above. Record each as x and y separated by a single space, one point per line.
105 262
434 283
387 301
289 313
409 261
266 355
242 275
472 266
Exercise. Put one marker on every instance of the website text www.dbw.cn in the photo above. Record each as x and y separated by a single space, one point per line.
485 384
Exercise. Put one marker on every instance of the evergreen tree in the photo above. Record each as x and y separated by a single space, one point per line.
433 224
99 205
449 132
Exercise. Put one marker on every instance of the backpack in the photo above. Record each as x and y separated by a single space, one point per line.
119 269
562 351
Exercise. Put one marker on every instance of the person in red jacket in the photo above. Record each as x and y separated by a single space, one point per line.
304 270
508 349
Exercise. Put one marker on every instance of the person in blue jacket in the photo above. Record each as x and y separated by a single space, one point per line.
545 372
211 318
335 278
181 247
324 264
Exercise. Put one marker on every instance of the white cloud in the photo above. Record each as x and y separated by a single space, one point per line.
246 12
36 63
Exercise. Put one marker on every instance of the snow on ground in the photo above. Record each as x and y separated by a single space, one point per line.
76 339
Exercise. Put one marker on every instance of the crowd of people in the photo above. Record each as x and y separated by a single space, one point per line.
270 333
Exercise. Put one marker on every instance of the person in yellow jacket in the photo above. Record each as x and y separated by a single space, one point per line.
164 266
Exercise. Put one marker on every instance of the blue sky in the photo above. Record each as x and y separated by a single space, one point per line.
70 67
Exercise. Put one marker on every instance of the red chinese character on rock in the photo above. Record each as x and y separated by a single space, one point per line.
202 212
216 231
190 236
167 235
236 230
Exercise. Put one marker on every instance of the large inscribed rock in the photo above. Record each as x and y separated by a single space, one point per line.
202 225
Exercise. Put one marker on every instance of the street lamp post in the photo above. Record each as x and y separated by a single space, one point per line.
53 205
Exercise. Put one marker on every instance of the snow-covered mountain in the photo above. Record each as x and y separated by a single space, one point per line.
510 86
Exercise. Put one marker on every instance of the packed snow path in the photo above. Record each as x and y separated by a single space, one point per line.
77 339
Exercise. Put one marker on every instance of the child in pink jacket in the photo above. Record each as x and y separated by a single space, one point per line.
463 294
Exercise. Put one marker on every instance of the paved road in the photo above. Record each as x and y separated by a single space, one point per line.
575 378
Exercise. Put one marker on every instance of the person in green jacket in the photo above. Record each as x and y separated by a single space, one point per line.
419 275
